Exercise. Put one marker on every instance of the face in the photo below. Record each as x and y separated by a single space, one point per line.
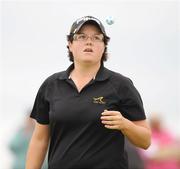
89 50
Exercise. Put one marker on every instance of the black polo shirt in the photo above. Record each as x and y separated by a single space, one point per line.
78 138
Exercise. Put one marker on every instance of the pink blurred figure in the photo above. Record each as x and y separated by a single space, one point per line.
164 152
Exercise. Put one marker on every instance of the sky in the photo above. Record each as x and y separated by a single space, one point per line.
144 46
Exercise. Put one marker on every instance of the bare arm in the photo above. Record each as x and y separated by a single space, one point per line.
138 132
37 147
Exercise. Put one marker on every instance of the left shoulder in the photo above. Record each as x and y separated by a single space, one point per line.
116 77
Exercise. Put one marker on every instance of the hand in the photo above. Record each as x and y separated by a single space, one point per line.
113 120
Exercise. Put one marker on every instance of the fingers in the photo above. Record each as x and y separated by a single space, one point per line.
111 119
108 113
112 127
110 122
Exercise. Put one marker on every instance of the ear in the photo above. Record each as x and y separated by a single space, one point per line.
70 46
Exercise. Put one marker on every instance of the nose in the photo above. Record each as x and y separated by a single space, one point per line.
89 41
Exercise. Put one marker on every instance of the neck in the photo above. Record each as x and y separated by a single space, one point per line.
85 70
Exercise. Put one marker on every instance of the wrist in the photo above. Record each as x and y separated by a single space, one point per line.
126 125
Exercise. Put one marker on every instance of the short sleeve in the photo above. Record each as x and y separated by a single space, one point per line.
40 111
131 104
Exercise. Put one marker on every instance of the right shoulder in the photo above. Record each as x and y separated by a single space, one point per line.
54 77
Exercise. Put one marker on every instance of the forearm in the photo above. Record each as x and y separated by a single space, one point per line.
138 135
36 153
138 132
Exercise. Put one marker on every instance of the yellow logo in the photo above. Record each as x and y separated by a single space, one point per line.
99 100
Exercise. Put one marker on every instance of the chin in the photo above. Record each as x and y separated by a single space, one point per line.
88 61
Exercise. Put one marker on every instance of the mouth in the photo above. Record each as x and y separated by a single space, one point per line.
88 50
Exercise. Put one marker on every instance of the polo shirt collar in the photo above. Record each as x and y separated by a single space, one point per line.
101 75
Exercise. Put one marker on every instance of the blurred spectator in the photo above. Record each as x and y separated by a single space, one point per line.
164 152
135 160
19 144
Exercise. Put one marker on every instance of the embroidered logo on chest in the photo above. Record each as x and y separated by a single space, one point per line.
99 100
